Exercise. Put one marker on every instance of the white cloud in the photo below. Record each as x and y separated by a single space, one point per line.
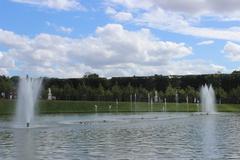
176 67
111 51
65 5
205 42
232 51
3 71
120 16
218 8
10 39
6 63
143 4
177 17
60 28
110 11
177 23
65 29
123 16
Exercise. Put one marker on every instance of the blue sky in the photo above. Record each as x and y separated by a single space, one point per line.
67 38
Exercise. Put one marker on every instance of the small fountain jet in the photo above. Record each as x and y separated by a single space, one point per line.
208 99
28 91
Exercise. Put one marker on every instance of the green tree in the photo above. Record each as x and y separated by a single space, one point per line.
108 95
170 93
182 95
220 94
116 91
127 91
235 95
100 91
6 85
142 93
191 93
67 91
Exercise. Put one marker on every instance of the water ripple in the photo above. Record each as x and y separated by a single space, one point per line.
164 136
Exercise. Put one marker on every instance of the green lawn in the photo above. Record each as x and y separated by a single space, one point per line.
8 107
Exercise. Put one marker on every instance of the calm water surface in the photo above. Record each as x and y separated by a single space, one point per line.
123 136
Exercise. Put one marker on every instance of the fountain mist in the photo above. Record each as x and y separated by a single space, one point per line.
208 99
28 92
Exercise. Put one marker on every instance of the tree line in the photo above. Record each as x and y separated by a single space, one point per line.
92 87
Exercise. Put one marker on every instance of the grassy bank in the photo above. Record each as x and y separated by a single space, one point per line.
8 107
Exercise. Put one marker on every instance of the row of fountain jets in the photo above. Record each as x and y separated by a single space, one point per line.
29 89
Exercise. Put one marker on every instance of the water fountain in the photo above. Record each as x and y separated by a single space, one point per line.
116 105
207 99
151 104
28 92
96 108
135 98
148 98
155 97
131 99
165 104
135 101
176 100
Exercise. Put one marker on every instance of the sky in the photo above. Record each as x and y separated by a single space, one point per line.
69 38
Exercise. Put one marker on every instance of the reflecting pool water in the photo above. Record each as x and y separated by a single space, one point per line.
123 136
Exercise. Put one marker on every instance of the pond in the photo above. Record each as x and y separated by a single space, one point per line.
123 136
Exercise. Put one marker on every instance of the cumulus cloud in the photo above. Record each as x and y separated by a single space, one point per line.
177 17
205 42
6 63
59 28
176 67
111 51
110 11
120 16
65 5
232 51
3 71
123 16
10 39
65 29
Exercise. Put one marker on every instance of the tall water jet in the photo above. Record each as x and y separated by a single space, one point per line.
131 99
176 99
165 104
149 98
208 99
28 92
187 103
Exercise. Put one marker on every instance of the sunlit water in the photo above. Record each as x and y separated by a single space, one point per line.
123 136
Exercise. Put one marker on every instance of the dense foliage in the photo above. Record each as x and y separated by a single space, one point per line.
93 87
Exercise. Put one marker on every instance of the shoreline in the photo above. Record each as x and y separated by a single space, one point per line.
7 107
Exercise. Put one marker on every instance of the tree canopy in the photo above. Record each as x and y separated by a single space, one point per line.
93 87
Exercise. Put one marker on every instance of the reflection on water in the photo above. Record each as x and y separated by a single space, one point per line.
208 136
25 146
124 136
